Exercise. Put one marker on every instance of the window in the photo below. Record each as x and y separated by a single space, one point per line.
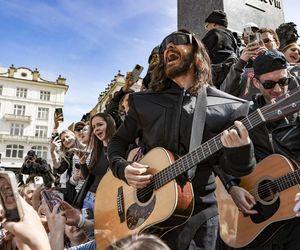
45 95
21 92
19 109
43 113
41 131
1 89
14 151
16 129
41 151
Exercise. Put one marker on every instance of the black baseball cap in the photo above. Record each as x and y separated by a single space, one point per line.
269 61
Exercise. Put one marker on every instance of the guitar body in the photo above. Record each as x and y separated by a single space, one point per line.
275 208
120 211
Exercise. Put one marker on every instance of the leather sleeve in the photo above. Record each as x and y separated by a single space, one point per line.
119 144
238 161
63 166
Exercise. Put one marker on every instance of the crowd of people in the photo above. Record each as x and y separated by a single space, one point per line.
194 90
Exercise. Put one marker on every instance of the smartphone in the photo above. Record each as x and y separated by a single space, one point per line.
136 72
9 197
38 180
54 135
51 198
73 150
254 37
59 111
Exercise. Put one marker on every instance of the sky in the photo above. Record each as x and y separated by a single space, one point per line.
88 41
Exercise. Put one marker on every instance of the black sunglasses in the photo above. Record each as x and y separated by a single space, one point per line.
267 40
269 84
78 129
178 38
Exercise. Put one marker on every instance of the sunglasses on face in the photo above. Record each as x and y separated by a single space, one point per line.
267 40
178 38
78 129
269 84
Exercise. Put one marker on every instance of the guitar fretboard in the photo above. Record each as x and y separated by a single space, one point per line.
287 181
201 153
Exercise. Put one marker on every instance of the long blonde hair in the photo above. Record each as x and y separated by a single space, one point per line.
65 154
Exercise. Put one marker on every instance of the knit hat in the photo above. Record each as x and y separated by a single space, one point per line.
287 34
217 16
270 61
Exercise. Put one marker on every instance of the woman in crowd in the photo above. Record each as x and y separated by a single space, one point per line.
26 191
292 53
65 165
77 179
288 37
102 128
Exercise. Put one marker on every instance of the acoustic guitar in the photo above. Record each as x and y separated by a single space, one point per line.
163 205
274 184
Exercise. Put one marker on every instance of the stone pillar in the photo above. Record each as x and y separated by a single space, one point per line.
60 80
11 71
35 75
265 13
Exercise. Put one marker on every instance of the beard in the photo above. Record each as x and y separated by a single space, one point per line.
178 70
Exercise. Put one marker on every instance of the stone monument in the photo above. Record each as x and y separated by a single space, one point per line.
265 13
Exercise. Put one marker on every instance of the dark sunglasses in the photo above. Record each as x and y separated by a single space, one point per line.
78 129
269 84
267 40
178 38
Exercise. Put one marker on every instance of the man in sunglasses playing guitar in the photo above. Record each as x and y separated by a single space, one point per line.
282 137
164 116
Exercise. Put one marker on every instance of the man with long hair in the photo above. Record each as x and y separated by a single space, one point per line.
180 101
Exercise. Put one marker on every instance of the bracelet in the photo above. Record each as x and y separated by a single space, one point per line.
81 221
230 184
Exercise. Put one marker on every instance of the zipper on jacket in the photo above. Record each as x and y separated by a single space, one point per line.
271 141
286 134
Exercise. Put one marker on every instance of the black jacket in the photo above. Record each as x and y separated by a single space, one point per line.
220 44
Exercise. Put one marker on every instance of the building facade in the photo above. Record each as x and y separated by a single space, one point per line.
116 84
27 104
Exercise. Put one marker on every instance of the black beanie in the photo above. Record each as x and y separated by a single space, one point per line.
217 16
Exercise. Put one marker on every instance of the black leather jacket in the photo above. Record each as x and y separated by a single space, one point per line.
280 137
156 117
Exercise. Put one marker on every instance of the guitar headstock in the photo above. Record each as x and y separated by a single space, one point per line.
283 106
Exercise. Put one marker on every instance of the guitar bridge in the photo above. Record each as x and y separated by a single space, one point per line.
120 204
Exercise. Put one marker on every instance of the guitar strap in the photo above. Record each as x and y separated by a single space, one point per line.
193 224
198 125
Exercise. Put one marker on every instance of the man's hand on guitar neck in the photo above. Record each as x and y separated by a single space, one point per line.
243 199
136 176
232 138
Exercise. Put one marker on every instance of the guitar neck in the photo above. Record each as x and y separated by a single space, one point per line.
284 182
283 106
201 153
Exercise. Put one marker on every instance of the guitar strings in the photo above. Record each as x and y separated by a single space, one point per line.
281 183
164 176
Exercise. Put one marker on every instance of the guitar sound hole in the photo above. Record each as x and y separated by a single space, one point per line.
144 194
266 191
